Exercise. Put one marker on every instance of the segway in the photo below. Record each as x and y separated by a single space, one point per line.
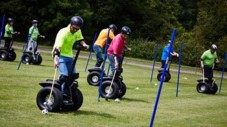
206 86
32 58
113 89
167 75
113 86
94 76
8 54
71 100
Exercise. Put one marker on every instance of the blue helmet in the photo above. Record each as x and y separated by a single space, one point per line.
77 20
126 30
113 26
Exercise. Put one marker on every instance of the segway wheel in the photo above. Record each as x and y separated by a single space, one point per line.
77 100
27 59
107 92
4 55
168 77
38 60
55 101
202 88
93 78
12 56
213 89
122 90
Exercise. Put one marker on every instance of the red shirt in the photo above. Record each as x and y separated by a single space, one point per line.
117 46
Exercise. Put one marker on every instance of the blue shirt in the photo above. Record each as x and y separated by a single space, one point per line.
165 52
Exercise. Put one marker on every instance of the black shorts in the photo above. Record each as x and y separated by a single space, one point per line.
208 72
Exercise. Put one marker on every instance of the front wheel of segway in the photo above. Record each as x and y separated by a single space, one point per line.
77 100
27 59
4 55
107 92
93 78
122 90
202 88
38 60
213 89
55 101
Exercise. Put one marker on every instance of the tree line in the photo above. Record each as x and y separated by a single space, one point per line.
199 23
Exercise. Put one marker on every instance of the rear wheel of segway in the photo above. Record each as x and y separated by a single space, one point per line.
107 92
12 56
202 88
4 55
93 78
77 100
27 59
55 101
213 89
122 90
38 60
159 77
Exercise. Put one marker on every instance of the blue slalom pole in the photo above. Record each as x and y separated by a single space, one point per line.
103 65
179 66
154 60
223 71
89 56
2 26
162 79
25 47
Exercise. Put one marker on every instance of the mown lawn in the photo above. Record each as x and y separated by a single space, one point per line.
18 90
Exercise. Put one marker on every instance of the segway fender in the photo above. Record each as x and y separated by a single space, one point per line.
49 82
95 69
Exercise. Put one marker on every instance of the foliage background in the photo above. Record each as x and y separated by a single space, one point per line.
199 23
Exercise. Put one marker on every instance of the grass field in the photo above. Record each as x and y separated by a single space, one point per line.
18 90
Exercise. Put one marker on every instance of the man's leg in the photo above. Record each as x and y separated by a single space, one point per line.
63 71
111 60
98 52
7 42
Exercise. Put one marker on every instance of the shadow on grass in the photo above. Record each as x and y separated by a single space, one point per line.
134 100
83 112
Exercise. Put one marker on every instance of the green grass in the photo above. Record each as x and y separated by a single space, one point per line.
18 90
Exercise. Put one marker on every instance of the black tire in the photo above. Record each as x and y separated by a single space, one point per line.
77 98
38 61
27 59
122 90
159 77
114 90
168 77
213 89
202 88
56 99
4 55
12 56
93 78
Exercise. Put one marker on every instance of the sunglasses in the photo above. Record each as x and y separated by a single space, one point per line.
75 28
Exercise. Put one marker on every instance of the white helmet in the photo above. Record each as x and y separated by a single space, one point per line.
213 47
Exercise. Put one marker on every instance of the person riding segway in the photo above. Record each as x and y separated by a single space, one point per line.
31 56
207 83
165 52
7 52
113 85
94 75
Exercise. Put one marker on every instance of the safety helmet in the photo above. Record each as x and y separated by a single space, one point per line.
10 20
77 20
213 47
113 26
126 30
34 21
